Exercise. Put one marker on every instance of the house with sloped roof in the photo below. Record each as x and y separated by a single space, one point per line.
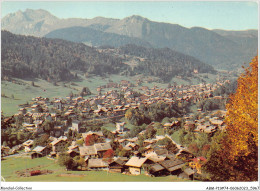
117 165
187 173
94 151
173 166
98 133
88 151
97 164
58 145
101 148
135 164
39 151
28 145
158 170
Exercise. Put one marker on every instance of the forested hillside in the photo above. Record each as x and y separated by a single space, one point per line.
52 59
165 63
57 60
94 37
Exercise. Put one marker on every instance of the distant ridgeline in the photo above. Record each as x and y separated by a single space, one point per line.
219 48
55 59
94 37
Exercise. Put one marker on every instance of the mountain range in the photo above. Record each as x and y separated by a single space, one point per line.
219 48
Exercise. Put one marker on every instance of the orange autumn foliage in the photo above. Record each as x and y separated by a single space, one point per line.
242 114
234 154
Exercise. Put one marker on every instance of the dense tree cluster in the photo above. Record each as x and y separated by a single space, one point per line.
212 104
165 63
52 59
155 112
226 89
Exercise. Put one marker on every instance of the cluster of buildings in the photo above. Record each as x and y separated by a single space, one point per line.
110 104
155 160
72 113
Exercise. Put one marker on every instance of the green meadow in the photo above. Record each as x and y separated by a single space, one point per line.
13 164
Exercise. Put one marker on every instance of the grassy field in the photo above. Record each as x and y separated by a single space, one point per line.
16 94
13 164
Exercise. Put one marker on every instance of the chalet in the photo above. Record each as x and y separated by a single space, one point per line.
188 173
101 148
97 134
134 165
173 166
39 151
158 170
58 145
155 158
97 164
117 166
28 145
88 151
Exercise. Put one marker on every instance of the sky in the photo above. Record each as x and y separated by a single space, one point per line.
231 15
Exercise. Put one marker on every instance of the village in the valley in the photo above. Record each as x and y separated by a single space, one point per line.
71 127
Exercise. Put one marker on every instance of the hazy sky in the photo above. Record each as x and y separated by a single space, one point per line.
232 15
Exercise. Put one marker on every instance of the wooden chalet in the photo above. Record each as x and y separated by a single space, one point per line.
173 166
28 145
188 173
97 164
58 145
39 151
158 170
134 165
88 151
117 166
101 148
